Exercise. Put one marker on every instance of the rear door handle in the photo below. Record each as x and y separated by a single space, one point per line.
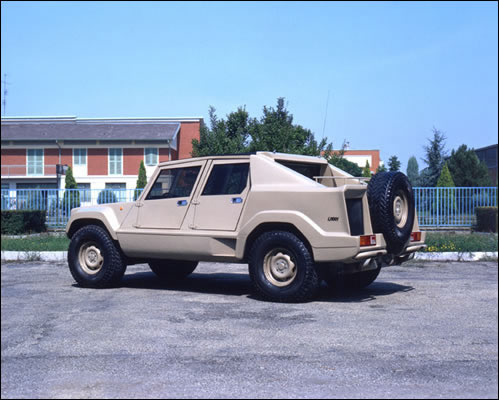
236 200
181 203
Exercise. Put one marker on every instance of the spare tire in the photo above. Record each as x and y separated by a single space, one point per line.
391 205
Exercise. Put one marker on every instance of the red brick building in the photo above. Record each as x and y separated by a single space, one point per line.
103 152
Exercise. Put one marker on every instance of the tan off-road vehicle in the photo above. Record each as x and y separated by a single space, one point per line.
295 220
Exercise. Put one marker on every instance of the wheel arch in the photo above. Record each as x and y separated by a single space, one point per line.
274 226
81 222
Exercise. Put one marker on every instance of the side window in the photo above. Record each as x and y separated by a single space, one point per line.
174 182
227 179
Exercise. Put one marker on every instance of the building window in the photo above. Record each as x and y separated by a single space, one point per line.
85 193
80 157
35 161
115 161
151 155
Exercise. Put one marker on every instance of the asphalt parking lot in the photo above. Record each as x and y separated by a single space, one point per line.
424 330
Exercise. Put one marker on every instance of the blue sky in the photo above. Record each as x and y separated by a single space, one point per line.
394 70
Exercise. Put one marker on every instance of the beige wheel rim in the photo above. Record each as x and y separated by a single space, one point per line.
279 267
90 258
400 209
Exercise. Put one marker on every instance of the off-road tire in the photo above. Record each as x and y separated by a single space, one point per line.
384 191
300 285
96 241
172 270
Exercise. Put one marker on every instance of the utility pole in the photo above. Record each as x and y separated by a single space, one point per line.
5 83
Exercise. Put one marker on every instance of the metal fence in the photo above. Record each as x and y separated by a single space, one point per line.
436 207
453 206
59 202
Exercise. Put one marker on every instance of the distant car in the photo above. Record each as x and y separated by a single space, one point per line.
294 219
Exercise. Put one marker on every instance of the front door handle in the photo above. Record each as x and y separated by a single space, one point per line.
236 200
181 203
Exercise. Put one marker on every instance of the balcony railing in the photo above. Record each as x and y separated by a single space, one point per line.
24 170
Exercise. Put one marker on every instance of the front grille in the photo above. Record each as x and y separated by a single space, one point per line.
355 216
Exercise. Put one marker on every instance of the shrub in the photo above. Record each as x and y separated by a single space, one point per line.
106 196
486 219
71 198
446 202
15 222
141 181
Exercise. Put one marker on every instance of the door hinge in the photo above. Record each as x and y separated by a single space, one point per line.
192 226
139 204
196 202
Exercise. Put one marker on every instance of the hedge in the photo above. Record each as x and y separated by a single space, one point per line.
486 219
15 222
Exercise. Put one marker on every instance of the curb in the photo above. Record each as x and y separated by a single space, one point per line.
63 256
456 256
34 255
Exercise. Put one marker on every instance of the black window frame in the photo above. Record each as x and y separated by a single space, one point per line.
232 165
174 183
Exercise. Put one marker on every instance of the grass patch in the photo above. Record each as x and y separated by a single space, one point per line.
459 242
41 242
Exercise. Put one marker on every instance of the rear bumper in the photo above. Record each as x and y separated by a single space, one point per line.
352 252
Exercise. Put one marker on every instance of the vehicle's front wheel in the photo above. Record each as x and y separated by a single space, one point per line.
281 268
172 270
93 258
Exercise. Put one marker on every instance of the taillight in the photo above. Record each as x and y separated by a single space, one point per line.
368 240
415 236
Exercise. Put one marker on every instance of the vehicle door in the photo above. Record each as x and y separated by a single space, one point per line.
169 198
220 201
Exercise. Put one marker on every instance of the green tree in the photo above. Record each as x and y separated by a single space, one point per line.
366 171
445 178
381 168
413 171
71 198
141 180
223 136
446 197
337 159
435 155
275 131
466 168
394 164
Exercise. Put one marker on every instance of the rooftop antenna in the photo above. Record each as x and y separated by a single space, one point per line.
325 116
5 83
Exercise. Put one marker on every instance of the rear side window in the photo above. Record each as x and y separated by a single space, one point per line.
227 179
306 169
175 182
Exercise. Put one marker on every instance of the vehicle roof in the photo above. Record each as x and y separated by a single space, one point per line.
275 156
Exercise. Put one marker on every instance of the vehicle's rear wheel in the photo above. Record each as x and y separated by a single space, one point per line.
391 206
281 268
172 270
93 258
